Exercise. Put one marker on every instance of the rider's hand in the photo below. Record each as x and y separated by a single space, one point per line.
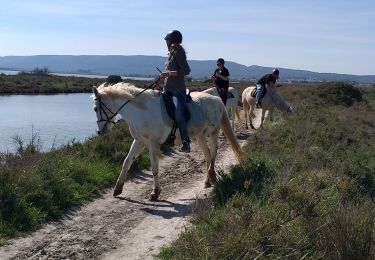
166 74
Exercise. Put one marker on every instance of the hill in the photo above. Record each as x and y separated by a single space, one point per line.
145 66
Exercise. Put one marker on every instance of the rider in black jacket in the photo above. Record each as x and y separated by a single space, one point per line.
267 81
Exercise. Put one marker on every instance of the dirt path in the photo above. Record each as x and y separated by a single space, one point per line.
128 227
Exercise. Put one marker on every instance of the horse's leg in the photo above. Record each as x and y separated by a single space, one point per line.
201 139
233 115
246 113
211 175
154 150
263 116
251 113
135 150
238 116
270 114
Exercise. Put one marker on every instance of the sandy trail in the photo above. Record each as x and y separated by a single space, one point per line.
128 227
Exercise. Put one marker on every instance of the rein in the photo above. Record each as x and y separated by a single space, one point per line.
103 108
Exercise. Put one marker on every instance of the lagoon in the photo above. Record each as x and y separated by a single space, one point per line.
55 119
15 72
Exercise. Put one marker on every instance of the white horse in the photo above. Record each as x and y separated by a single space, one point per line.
232 102
145 113
269 102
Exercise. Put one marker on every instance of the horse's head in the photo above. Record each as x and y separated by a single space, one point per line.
104 114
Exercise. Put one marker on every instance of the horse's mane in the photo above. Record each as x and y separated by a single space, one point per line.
124 90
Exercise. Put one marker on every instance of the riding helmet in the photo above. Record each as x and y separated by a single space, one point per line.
174 37
220 60
275 71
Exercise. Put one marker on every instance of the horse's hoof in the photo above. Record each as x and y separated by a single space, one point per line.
207 184
117 192
155 194
154 197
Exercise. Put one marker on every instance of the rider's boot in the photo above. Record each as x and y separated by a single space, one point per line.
185 146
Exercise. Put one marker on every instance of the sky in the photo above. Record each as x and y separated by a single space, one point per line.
317 35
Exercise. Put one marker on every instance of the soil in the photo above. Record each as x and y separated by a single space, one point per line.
129 226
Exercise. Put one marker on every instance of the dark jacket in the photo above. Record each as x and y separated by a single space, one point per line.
266 79
177 62
220 82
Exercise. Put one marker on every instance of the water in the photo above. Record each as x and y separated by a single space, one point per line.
56 119
15 72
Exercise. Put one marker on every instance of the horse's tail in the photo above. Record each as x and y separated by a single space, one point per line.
228 132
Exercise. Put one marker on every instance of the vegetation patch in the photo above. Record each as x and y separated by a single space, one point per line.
339 93
303 191
38 187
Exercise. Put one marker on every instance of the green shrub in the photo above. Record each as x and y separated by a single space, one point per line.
305 189
38 187
249 177
339 93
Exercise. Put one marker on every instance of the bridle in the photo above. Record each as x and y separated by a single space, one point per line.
103 109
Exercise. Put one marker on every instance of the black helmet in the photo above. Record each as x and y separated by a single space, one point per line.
275 71
174 37
220 60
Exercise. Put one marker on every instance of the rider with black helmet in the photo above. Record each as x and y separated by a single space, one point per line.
176 68
221 79
267 81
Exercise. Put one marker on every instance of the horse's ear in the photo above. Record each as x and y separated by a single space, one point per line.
95 91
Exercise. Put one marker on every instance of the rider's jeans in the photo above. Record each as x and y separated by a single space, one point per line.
260 90
179 98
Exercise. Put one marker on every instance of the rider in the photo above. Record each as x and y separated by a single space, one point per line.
176 70
221 79
267 81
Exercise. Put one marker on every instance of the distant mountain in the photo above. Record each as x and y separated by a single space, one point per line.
145 66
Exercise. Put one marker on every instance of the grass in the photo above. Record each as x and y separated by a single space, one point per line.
39 187
305 189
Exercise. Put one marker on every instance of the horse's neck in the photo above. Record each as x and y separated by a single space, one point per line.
133 114
278 100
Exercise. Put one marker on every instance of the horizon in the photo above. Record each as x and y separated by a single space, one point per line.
325 37
11 69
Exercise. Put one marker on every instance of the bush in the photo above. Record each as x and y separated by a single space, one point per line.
250 177
339 93
113 79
